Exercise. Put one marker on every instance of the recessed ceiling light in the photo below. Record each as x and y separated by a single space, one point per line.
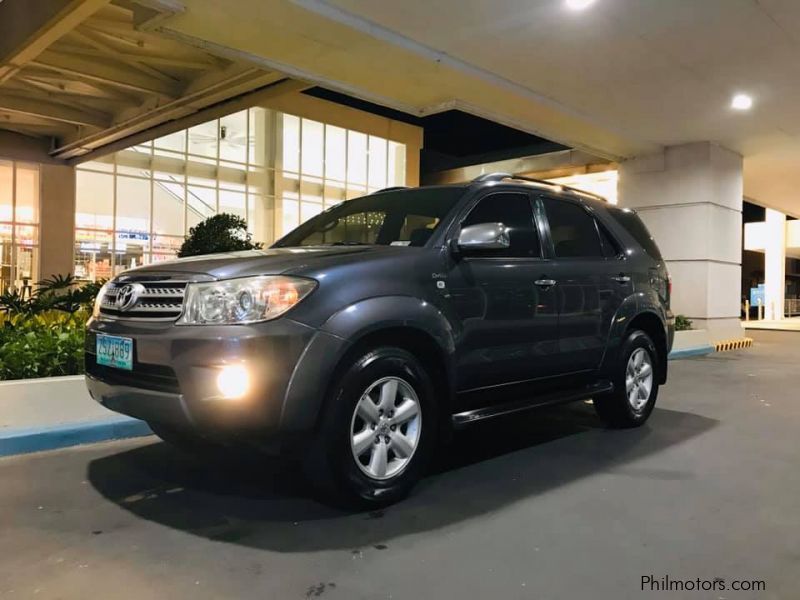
742 102
579 4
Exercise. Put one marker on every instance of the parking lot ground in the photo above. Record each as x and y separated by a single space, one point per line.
545 505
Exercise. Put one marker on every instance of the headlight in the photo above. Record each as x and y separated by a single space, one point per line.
245 300
99 300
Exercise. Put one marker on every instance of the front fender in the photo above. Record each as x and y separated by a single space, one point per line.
312 375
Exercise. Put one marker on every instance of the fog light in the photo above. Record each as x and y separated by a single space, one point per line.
233 381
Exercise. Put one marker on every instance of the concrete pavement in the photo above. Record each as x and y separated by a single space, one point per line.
548 505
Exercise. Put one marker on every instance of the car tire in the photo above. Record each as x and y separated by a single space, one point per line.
377 431
635 378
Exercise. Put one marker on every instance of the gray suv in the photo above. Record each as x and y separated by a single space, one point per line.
364 337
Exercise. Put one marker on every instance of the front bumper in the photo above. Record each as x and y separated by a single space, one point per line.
175 368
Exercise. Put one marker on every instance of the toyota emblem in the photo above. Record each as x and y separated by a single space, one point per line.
128 295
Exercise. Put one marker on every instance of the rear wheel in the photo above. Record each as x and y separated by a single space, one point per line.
377 432
635 381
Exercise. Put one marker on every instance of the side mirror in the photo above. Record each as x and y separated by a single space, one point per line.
484 236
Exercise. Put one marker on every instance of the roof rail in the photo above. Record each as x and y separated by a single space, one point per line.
392 189
501 176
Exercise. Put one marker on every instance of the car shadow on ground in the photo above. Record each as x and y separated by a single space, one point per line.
485 468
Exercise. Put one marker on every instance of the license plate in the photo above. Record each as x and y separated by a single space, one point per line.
115 351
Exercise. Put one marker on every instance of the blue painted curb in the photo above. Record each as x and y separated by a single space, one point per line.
37 439
689 352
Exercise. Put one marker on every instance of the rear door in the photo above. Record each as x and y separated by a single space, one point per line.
589 284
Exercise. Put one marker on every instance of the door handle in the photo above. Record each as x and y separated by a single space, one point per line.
621 278
545 282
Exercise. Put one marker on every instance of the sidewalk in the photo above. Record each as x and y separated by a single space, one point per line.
45 414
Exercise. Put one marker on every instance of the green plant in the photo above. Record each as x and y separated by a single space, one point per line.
682 323
48 344
221 233
59 292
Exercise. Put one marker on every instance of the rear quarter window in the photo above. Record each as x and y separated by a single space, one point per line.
633 225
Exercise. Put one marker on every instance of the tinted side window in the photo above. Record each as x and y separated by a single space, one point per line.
610 247
631 221
572 230
513 211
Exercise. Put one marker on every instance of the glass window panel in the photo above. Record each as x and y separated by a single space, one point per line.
233 137
168 207
257 137
174 141
27 204
27 235
173 177
164 245
312 148
357 158
291 215
202 200
94 199
93 254
203 139
134 171
377 162
291 143
233 202
130 249
26 268
6 191
335 152
105 164
133 204
397 164
170 154
309 210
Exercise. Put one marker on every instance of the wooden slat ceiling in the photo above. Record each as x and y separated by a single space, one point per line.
108 77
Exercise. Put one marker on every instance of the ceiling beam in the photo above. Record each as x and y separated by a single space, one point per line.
88 38
103 72
196 63
53 111
27 29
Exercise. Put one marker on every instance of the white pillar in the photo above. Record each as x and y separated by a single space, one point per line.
775 265
690 197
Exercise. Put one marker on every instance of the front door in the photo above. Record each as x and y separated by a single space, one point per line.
509 323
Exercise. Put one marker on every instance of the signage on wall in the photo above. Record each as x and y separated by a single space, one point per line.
758 295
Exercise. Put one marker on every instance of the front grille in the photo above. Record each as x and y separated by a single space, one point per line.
144 376
156 300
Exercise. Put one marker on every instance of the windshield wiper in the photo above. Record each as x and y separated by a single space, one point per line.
349 243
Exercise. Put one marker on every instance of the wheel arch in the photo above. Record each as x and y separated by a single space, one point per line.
414 325
654 327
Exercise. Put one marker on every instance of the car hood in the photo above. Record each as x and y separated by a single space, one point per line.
270 261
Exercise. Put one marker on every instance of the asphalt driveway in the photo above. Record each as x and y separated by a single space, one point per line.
548 505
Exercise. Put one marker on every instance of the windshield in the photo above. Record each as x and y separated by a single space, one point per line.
397 218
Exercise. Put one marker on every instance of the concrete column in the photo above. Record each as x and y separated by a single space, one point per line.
775 265
57 228
690 197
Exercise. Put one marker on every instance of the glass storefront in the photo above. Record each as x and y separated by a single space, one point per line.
135 207
19 226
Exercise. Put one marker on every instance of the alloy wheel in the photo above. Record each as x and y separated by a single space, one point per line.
385 428
639 379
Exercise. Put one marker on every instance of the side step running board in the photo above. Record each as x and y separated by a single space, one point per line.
463 419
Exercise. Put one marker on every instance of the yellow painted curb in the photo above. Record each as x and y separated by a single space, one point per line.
733 344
